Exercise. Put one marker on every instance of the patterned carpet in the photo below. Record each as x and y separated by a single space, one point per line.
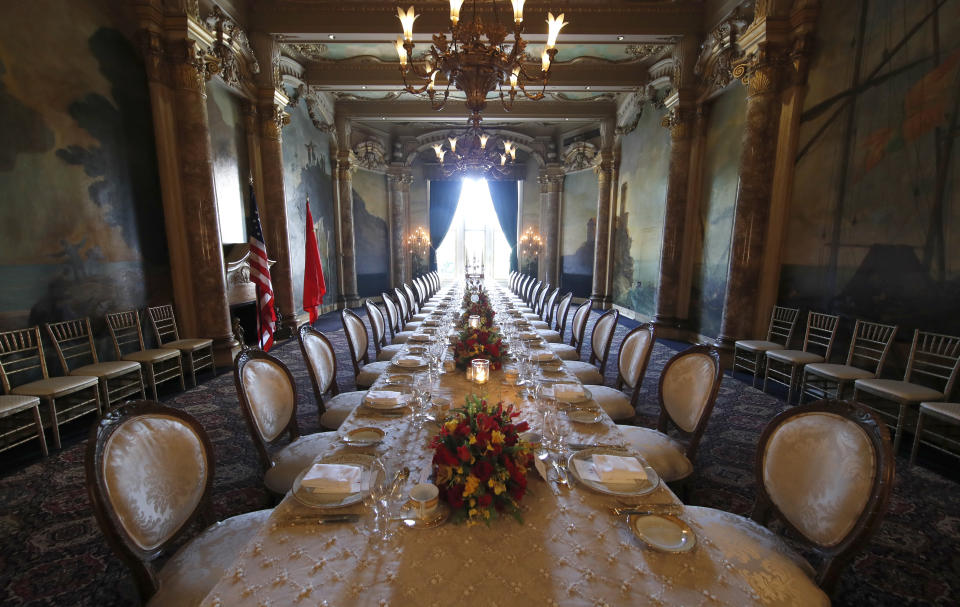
53 553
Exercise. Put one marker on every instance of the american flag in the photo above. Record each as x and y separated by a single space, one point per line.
260 276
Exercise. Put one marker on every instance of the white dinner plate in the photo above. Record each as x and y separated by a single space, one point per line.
363 437
411 364
585 416
333 500
634 489
663 532
586 396
404 389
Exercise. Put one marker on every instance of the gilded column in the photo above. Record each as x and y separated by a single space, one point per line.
273 210
760 73
198 218
551 187
399 180
601 298
348 256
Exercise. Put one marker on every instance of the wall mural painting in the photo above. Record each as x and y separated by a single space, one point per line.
81 230
307 172
874 228
370 231
714 232
231 167
578 232
638 224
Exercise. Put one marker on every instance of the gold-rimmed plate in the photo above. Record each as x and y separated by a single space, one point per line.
404 389
366 436
573 400
663 532
631 489
411 519
334 500
585 416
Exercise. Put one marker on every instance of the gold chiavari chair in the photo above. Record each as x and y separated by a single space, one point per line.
197 352
160 364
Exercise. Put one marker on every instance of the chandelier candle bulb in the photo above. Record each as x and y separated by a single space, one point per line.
545 62
483 141
455 11
401 52
453 144
518 10
554 24
406 20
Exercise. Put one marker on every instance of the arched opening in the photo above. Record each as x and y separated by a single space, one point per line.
475 236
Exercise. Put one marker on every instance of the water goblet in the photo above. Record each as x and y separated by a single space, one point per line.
378 488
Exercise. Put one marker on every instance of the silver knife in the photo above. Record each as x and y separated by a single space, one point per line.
323 520
582 446
650 509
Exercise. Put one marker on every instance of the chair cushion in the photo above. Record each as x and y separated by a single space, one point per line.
539 325
897 390
585 372
189 345
402 337
411 326
531 316
388 352
370 373
794 357
152 356
613 401
290 460
419 318
339 407
757 345
775 572
838 372
109 369
664 454
945 411
565 351
10 404
550 336
53 387
196 568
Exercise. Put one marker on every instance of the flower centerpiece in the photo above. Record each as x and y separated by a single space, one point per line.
481 342
481 462
477 303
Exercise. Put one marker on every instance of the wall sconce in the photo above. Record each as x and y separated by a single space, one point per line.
418 243
530 243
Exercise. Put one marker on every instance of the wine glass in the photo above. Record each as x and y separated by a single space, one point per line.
379 485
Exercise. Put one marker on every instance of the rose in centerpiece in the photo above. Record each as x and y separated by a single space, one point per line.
481 462
481 342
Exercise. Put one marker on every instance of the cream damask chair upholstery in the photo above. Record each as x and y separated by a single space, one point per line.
197 353
750 354
930 376
545 327
378 330
149 471
561 314
20 422
268 399
825 470
23 371
786 366
632 363
539 301
405 312
366 372
119 379
397 335
600 341
159 364
416 315
868 352
322 364
688 389
578 329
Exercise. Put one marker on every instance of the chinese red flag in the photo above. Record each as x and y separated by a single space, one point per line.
314 287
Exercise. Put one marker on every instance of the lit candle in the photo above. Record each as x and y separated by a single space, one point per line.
481 370
518 10
407 19
455 10
483 141
513 78
554 25
474 321
453 144
401 52
545 61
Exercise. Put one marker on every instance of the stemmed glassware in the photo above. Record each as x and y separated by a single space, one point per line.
379 487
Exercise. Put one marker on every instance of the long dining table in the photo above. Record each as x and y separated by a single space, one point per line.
570 548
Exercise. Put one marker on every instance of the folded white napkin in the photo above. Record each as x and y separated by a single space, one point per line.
528 335
334 478
618 469
419 337
543 356
384 398
568 392
409 361
431 323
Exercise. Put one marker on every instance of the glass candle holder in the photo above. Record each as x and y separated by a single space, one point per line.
474 321
481 370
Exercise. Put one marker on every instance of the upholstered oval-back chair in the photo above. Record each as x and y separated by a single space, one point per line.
149 470
332 405
378 328
365 372
635 350
825 470
578 329
543 327
601 339
268 399
397 336
688 389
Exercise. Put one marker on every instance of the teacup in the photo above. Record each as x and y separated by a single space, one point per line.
424 498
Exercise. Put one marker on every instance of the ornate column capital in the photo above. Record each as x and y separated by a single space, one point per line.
188 70
679 120
763 70
548 177
404 178
272 120
150 44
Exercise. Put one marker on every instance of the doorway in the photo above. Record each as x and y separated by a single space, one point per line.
475 237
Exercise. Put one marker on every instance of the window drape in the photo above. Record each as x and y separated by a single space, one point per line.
444 196
506 201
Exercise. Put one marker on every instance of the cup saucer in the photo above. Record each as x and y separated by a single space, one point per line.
409 517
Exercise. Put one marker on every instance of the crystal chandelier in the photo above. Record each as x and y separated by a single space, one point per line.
530 243
476 153
477 59
418 243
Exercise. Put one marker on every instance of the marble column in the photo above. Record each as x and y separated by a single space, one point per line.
348 256
209 311
678 120
399 180
551 188
273 211
761 75
601 298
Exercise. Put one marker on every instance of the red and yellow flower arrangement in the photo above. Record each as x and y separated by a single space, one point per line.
481 462
482 342
476 303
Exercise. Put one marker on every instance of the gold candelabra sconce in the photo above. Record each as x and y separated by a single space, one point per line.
418 243
530 243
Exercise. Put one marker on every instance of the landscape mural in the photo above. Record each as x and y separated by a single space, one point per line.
370 230
714 230
307 173
231 167
81 224
638 224
578 232
874 227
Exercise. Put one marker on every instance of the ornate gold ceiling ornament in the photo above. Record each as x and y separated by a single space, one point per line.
477 58
315 107
476 153
643 51
231 48
308 50
719 53
580 155
370 155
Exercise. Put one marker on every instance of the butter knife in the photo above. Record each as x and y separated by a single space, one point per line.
582 446
650 509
